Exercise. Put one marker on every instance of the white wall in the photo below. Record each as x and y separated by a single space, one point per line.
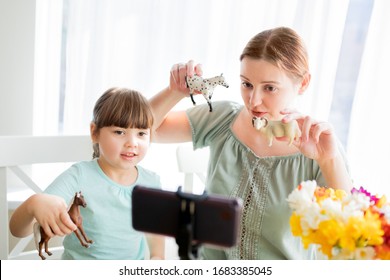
17 24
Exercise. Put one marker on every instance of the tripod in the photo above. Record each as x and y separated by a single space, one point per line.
188 247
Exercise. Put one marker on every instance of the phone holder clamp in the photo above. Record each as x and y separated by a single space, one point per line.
188 247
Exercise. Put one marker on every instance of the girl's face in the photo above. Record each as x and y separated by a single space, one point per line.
121 149
266 90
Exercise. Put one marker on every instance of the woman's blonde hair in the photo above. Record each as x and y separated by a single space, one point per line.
281 46
121 107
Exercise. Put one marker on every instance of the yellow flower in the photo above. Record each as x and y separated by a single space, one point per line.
340 194
381 202
372 231
331 231
307 239
295 223
321 193
325 245
326 249
353 231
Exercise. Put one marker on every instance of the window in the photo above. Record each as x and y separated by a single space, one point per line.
351 52
85 47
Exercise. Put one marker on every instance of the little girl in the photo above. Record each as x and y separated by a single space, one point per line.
120 132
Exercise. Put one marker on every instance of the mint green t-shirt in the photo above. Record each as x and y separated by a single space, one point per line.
107 217
263 184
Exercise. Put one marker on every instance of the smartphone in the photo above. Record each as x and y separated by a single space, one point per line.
216 218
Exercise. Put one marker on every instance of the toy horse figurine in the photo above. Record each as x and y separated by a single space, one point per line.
74 212
205 86
273 129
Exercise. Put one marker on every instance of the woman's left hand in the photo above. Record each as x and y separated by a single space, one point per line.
318 142
317 139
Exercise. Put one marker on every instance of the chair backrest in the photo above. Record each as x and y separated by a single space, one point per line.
22 150
18 151
193 163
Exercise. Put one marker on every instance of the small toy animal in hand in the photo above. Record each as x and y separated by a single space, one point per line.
205 86
74 212
274 129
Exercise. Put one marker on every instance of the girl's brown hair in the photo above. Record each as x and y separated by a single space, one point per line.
121 107
282 47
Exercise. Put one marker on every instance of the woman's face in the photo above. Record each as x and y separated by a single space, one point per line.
265 89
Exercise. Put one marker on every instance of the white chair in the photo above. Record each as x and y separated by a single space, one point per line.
194 166
17 152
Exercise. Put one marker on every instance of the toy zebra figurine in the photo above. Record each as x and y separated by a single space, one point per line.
205 86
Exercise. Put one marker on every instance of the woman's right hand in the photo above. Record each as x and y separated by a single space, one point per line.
178 75
51 212
173 126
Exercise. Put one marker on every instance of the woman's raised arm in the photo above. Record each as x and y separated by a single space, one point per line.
171 126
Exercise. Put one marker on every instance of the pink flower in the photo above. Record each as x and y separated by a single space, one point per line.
373 198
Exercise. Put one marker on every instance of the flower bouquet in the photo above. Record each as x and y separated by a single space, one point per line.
344 226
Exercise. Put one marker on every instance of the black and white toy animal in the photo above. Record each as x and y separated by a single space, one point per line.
205 86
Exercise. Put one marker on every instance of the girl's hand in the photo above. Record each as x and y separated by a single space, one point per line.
51 213
178 75
317 139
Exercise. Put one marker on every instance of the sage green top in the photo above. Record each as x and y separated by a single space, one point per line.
263 184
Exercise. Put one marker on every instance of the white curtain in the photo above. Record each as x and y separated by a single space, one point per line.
47 67
134 43
369 137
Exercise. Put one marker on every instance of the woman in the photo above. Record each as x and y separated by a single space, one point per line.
274 71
